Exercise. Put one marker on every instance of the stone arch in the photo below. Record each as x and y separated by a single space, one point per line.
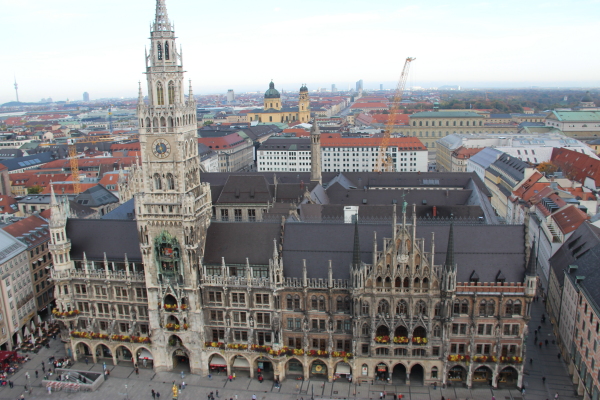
239 363
401 331
399 374
175 341
342 368
124 353
170 122
379 282
144 356
417 374
163 122
425 283
82 349
169 301
387 282
382 330
294 367
508 377
406 283
398 282
148 123
102 350
419 332
482 375
457 373
318 368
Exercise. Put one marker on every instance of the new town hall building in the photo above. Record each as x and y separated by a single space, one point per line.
390 291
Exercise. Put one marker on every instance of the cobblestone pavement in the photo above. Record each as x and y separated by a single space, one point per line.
125 384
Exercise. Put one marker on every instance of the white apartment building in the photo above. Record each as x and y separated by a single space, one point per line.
18 302
340 154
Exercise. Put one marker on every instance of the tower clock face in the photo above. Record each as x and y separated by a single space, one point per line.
161 148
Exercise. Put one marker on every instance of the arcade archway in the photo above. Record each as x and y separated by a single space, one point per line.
417 375
181 360
318 370
508 377
482 376
294 368
399 374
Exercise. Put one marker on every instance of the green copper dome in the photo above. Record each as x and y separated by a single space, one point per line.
272 93
303 88
587 98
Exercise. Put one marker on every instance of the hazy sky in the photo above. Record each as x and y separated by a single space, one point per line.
61 48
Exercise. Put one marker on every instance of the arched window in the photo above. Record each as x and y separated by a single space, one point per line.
437 332
170 182
296 302
365 330
339 304
159 51
166 50
508 309
289 301
402 308
482 308
464 307
321 303
421 307
491 308
379 282
383 307
437 310
347 303
148 123
398 282
160 94
157 182
517 308
456 307
171 92
314 303
365 308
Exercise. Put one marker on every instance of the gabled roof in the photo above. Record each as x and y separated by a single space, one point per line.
32 231
245 189
96 196
98 236
569 218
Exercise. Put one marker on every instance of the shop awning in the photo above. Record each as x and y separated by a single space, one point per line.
145 355
342 369
241 362
218 361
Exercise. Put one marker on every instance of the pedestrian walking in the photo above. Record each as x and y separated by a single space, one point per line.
144 362
153 394
49 390
182 375
137 371
10 384
157 394
530 361
234 376
380 395
543 379
183 386
43 368
236 397
230 378
540 345
556 396
546 342
384 393
210 377
559 356
87 361
253 397
36 374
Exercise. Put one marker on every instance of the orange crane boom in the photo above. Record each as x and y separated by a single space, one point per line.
384 161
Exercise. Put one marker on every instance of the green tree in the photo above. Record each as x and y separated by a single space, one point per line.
206 123
35 189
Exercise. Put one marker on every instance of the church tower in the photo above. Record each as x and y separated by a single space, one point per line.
315 153
172 206
303 105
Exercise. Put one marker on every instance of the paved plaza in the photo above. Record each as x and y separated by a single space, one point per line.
125 384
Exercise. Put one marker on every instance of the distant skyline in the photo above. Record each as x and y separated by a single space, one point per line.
63 48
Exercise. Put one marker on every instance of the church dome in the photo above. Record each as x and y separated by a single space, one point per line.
272 93
587 98
303 88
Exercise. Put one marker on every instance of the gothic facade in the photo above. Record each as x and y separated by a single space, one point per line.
317 300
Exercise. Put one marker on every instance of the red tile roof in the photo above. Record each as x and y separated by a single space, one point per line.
223 142
5 205
24 226
575 165
401 119
369 105
569 218
466 152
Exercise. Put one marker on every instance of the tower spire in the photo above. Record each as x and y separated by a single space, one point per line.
191 95
356 250
450 250
315 153
140 95
161 21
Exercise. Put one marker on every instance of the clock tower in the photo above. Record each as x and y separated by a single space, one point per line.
172 206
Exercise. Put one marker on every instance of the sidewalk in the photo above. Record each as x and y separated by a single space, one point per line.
545 362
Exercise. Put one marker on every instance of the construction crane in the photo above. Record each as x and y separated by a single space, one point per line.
384 160
74 161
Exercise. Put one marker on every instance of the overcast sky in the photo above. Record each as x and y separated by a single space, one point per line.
61 48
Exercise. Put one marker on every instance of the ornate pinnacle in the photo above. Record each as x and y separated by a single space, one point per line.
161 22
